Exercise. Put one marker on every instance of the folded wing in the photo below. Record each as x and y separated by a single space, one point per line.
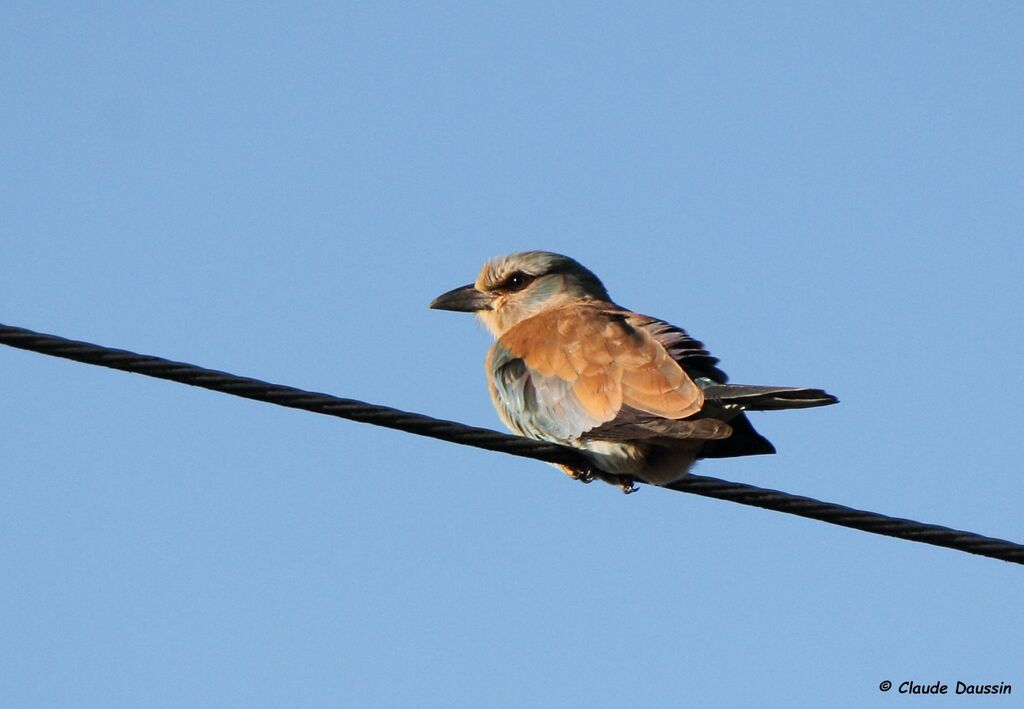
585 370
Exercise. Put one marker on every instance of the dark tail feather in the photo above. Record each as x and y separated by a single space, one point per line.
743 441
762 398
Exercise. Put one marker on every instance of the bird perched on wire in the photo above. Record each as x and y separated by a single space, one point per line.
639 397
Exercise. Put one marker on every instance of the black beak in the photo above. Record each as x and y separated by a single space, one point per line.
465 299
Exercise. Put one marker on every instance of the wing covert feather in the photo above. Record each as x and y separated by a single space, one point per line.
571 369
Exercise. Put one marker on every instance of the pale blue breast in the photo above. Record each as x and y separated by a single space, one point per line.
534 405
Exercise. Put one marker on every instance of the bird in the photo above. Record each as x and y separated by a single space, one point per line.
640 398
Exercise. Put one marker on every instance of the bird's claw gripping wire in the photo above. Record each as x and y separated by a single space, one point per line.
584 475
588 475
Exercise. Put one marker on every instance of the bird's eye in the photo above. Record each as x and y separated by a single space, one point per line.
517 281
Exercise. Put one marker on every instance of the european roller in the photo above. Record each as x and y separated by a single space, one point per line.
639 397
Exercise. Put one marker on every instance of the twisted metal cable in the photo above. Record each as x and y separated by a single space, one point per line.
487 439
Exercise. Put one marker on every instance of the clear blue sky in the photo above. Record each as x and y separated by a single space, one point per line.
827 194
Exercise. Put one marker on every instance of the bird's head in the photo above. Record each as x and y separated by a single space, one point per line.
512 288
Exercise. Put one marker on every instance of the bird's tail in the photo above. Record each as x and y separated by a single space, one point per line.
765 398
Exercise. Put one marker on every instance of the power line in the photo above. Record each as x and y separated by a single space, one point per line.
455 432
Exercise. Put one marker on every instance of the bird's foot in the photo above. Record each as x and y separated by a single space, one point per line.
628 485
584 475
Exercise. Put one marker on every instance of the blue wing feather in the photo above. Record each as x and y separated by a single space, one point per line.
535 405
